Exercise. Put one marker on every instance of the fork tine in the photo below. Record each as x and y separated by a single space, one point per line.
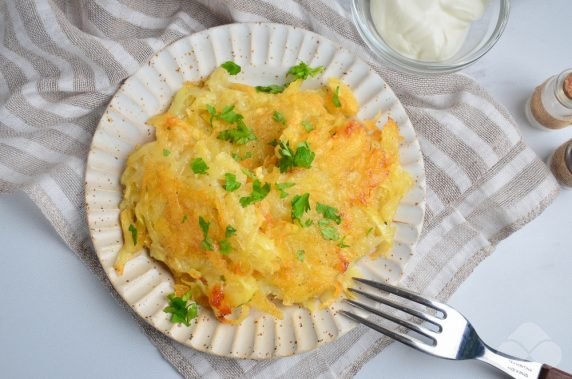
417 328
413 312
405 294
396 336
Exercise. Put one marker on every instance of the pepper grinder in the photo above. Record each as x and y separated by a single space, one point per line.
561 164
550 106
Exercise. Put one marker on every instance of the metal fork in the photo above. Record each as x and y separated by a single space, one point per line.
451 335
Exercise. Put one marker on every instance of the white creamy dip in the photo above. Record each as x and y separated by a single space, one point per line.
428 30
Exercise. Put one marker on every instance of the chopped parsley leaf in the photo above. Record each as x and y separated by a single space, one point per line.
229 231
238 157
224 247
308 126
134 233
273 88
239 135
342 244
328 212
229 115
273 143
212 112
248 173
199 166
300 205
300 255
259 192
300 71
279 117
336 98
303 71
230 183
303 157
329 232
206 243
281 187
185 217
181 312
231 67
286 161
369 231
166 152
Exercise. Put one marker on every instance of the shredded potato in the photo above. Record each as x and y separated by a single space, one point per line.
268 256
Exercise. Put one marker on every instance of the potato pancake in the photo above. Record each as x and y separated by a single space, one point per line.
259 196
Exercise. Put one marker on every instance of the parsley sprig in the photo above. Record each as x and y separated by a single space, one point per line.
336 98
199 166
329 213
307 126
302 157
248 173
227 114
258 193
212 111
230 183
328 231
300 71
281 187
229 231
224 245
342 244
134 233
279 117
206 243
273 88
231 67
241 134
237 157
181 311
300 205
303 71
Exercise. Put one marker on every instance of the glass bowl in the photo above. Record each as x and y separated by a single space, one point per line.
481 37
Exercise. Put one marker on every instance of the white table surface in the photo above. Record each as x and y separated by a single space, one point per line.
57 320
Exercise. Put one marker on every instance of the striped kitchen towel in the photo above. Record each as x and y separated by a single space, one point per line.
61 61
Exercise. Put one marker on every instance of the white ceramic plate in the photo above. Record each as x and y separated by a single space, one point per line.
265 52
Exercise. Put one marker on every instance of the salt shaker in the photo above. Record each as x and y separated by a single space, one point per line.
550 106
561 164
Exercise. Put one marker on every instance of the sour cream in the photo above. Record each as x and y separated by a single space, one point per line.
427 30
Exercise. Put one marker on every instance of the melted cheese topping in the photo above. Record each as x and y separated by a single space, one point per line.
271 258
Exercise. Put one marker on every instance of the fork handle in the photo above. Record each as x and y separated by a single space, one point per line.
518 368
549 372
515 367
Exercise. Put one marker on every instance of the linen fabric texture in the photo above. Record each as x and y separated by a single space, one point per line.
62 61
